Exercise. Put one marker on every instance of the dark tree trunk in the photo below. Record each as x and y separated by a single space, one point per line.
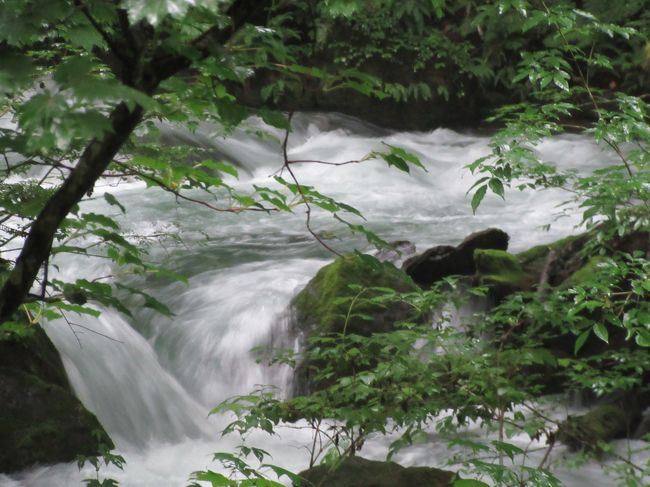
93 162
100 152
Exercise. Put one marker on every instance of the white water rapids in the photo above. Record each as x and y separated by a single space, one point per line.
153 381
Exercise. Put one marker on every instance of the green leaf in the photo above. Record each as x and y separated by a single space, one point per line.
280 472
497 187
508 448
478 197
102 220
580 341
216 479
16 72
561 82
601 332
84 36
397 162
274 118
77 309
260 482
478 183
221 167
406 155
112 200
74 70
9 328
231 113
642 338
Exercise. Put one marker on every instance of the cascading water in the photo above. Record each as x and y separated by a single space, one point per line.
151 380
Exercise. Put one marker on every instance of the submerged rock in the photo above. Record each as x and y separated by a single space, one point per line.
41 420
360 472
445 260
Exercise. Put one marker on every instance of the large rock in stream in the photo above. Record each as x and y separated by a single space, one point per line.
360 472
605 422
561 265
338 300
446 260
41 420
326 304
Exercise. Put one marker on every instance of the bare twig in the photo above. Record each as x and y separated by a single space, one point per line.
74 333
313 161
94 331
299 188
547 453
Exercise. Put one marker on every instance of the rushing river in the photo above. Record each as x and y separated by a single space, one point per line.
151 380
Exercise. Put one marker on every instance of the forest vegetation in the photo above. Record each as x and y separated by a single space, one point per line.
86 86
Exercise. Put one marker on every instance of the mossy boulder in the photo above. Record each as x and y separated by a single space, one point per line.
501 271
564 262
336 300
446 260
41 419
343 298
603 423
588 272
360 472
554 263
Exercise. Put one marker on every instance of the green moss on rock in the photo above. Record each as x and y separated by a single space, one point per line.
601 424
360 472
534 254
339 299
41 420
586 273
321 307
501 271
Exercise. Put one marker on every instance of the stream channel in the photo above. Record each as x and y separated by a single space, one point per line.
153 382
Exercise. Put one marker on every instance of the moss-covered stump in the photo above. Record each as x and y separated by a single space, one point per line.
601 424
41 420
359 472
329 305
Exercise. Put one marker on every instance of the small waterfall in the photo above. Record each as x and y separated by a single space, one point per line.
117 375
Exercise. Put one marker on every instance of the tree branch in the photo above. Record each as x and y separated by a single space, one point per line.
110 42
93 162
100 152
285 156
